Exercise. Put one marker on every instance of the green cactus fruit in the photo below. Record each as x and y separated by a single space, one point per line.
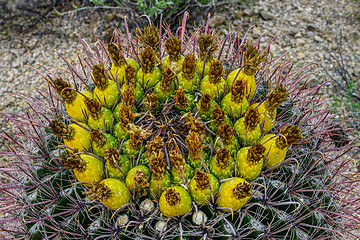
188 79
106 91
74 102
218 118
276 146
197 158
99 116
213 83
234 194
203 187
111 192
226 139
222 164
207 47
87 169
267 109
137 180
175 201
248 128
181 171
184 103
101 141
235 103
160 177
249 161
74 135
205 107
148 75
165 88
117 166
174 60
118 67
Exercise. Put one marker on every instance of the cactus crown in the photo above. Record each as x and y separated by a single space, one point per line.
99 76
94 107
275 98
167 80
226 133
115 54
188 66
157 165
223 158
62 130
98 136
130 73
202 180
218 115
99 192
242 190
252 59
256 153
148 60
63 89
113 157
238 90
173 48
252 119
207 47
150 37
216 71
73 161
172 197
205 102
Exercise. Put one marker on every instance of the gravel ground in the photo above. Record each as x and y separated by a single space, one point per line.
307 31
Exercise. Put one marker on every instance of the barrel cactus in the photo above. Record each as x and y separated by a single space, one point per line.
172 135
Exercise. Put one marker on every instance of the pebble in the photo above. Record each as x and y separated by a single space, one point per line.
301 55
266 15
300 42
217 21
318 39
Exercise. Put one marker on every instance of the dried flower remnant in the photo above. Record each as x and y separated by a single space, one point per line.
205 102
98 136
151 101
252 59
130 75
62 130
194 145
126 116
155 145
157 165
207 47
141 180
218 116
129 96
216 71
255 154
238 90
64 90
181 100
226 133
94 107
99 192
73 161
115 50
177 159
113 157
172 197
173 48
275 98
242 190
223 158
99 76
137 136
150 37
194 125
202 180
148 60
252 119
289 135
188 66
167 80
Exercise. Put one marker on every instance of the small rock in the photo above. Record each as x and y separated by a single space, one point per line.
298 35
256 32
301 55
238 14
247 12
300 42
311 27
110 17
266 15
333 46
318 39
217 21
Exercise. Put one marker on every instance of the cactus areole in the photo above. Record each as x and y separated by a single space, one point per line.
178 135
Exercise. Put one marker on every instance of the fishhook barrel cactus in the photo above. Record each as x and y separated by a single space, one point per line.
171 135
